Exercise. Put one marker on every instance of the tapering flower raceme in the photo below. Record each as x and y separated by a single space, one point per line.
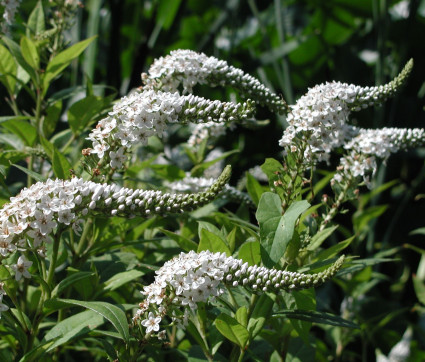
372 144
320 116
40 210
197 184
191 278
143 114
189 68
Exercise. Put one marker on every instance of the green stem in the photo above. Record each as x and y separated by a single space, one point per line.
82 244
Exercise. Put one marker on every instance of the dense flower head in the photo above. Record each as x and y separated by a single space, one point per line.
371 144
320 117
192 277
140 115
188 68
36 212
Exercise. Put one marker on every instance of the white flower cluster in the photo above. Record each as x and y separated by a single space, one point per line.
370 144
143 114
10 9
36 212
206 130
192 277
189 68
320 116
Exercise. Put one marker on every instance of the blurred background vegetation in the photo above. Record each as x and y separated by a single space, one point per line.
290 46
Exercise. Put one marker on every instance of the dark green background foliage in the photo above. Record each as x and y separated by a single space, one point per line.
290 46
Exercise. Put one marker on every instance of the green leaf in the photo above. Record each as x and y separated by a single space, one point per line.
81 113
198 170
61 166
30 53
109 311
232 329
52 117
276 230
72 328
8 69
242 316
250 252
320 237
270 167
36 24
334 249
184 243
167 10
122 278
36 176
362 217
62 60
28 71
24 130
212 242
68 281
259 315
419 286
315 317
255 190
304 300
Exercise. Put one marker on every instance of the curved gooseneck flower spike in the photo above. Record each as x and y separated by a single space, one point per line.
370 144
143 114
188 68
42 209
191 278
320 116
197 184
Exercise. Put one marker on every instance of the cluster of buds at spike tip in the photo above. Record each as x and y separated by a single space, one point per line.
189 68
191 278
197 184
372 144
143 114
320 116
37 212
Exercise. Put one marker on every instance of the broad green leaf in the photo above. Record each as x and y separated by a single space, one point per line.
81 113
259 315
36 176
255 190
28 72
232 329
212 242
109 311
270 167
250 252
61 166
184 243
320 237
315 317
122 278
8 69
52 117
68 281
276 230
62 60
36 23
24 130
73 327
242 316
30 52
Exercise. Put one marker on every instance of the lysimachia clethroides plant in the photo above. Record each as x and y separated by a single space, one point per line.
248 284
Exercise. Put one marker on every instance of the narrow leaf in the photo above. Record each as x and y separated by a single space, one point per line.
122 278
30 52
316 317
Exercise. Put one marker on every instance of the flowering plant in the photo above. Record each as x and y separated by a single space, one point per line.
123 243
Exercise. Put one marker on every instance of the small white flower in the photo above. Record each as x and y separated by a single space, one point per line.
21 268
151 323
